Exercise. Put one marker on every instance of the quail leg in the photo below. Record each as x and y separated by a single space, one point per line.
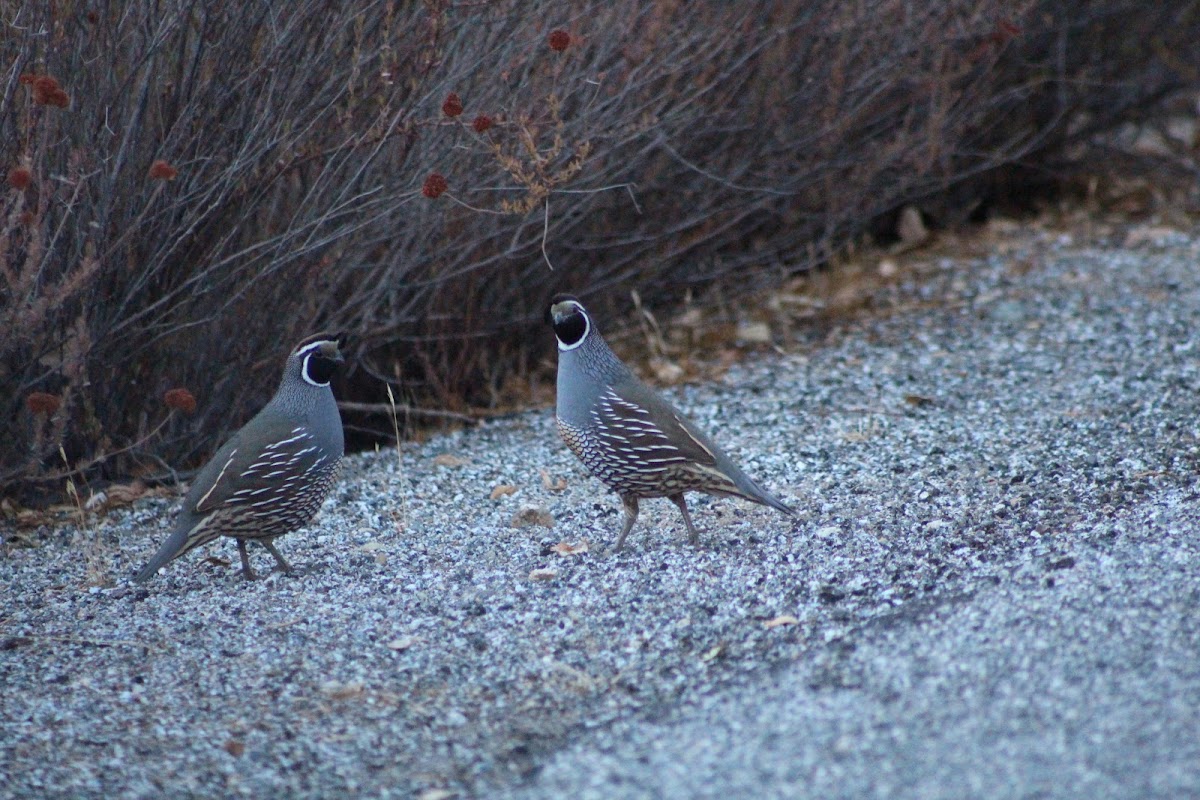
247 573
693 537
284 566
631 515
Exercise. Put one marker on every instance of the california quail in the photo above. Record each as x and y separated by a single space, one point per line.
272 475
629 437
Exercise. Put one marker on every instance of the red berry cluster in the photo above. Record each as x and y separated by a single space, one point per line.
42 403
452 106
162 171
435 186
181 399
558 40
20 177
46 91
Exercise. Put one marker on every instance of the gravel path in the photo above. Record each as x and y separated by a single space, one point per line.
991 591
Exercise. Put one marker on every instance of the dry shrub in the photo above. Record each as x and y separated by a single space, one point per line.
200 184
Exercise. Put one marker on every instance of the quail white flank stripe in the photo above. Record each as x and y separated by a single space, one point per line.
272 475
628 436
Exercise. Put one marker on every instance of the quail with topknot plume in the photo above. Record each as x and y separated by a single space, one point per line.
274 473
628 436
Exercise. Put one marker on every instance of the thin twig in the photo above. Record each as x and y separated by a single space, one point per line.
386 408
474 208
82 466
546 235
83 640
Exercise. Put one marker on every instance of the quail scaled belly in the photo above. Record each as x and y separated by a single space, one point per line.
272 475
630 438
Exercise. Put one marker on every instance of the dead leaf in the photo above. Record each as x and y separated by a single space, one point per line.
666 371
692 318
1148 234
217 561
342 691
503 490
754 332
568 549
782 619
532 515
235 747
552 483
403 643
918 400
29 518
449 460
122 494
713 653
372 546
543 574
800 301
436 794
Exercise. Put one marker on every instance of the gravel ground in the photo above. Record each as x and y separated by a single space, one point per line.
991 589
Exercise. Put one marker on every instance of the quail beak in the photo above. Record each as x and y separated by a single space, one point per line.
330 350
559 312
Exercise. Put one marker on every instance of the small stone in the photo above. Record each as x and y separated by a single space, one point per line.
402 643
911 228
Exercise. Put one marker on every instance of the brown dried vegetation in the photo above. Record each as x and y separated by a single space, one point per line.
637 143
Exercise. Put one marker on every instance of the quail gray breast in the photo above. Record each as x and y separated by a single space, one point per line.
628 436
274 473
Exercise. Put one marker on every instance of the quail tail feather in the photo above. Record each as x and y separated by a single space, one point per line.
749 490
181 540
767 499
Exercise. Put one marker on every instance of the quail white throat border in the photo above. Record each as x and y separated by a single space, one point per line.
308 352
587 329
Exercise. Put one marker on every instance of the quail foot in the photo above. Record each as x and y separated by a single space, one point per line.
272 475
628 436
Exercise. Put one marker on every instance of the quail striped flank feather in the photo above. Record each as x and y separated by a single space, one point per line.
629 437
272 475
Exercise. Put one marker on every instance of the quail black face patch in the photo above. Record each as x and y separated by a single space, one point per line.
321 363
571 326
